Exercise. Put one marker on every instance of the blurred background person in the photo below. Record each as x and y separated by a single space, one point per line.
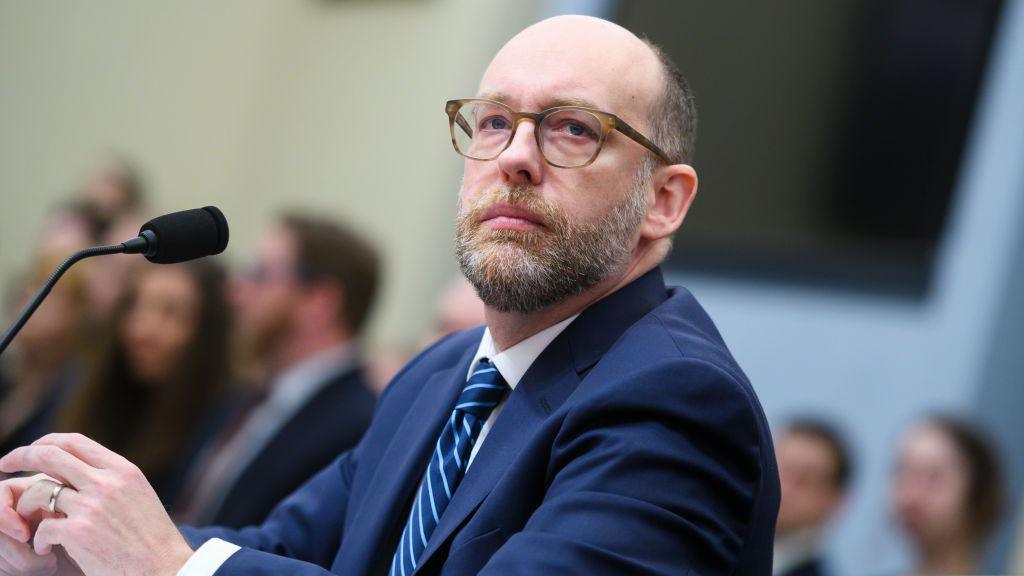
814 472
947 494
112 189
108 276
458 309
113 195
160 372
47 356
301 309
69 227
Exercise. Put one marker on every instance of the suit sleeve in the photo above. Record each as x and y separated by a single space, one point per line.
301 535
658 476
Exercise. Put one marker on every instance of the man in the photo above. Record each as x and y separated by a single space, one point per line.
815 469
597 426
301 308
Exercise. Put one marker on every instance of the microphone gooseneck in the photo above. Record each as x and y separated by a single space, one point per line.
43 292
167 239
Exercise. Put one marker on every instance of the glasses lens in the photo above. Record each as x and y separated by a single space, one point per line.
571 137
481 130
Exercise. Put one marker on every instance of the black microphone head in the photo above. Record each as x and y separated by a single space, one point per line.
186 235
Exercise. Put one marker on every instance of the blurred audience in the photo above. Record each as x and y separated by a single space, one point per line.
814 473
947 494
47 358
68 228
160 370
301 308
111 190
458 309
108 276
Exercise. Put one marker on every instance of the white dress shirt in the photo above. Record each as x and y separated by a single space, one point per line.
512 364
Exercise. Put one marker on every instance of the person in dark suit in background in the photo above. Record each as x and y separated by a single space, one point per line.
815 470
300 310
597 425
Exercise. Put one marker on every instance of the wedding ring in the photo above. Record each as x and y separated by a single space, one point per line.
52 505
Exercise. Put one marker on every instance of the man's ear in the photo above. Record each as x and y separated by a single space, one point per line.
675 187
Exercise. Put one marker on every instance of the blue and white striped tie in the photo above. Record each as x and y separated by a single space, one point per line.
482 392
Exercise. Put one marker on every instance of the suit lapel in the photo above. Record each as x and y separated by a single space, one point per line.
544 388
402 466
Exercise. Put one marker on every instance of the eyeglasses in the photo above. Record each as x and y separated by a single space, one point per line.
567 136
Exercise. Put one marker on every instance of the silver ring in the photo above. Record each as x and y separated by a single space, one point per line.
52 505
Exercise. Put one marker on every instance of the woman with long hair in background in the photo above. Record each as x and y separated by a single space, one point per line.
160 372
947 494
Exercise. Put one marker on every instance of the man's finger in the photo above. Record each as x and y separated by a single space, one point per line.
20 559
50 460
84 448
49 533
13 525
37 497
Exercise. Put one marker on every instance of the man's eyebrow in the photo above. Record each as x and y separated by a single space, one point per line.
572 101
496 96
550 103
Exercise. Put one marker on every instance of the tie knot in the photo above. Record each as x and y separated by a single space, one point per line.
483 391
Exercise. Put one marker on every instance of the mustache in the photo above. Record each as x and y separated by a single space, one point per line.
521 196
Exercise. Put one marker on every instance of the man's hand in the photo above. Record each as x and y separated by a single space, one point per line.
16 554
113 521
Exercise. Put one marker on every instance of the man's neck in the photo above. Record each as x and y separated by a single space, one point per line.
510 328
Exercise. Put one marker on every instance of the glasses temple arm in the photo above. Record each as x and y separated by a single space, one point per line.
641 140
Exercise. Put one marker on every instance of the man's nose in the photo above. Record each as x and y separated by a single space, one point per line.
522 162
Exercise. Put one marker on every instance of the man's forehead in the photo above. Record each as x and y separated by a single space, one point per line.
574 61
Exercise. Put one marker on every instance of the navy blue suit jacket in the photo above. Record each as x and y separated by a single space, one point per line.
330 422
633 445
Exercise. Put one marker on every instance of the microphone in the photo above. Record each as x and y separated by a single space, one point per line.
168 239
181 236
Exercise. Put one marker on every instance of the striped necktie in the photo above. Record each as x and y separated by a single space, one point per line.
448 462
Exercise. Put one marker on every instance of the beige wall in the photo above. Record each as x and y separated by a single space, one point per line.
252 105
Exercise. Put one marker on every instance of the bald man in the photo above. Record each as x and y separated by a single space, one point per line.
596 425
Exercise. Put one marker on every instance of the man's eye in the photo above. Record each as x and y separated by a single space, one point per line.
576 130
495 123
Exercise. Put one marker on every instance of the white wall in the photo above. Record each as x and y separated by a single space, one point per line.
252 105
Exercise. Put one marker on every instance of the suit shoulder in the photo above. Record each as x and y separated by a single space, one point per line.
675 357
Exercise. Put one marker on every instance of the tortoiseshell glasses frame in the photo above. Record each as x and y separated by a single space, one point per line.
602 124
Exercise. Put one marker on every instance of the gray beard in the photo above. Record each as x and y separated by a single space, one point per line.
517 271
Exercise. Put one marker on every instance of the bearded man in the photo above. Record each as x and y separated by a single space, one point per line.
597 425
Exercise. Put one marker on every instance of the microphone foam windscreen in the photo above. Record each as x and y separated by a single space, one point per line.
186 235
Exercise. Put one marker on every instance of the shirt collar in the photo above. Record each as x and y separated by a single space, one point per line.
513 363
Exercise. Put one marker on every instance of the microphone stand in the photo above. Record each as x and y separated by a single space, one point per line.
30 308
